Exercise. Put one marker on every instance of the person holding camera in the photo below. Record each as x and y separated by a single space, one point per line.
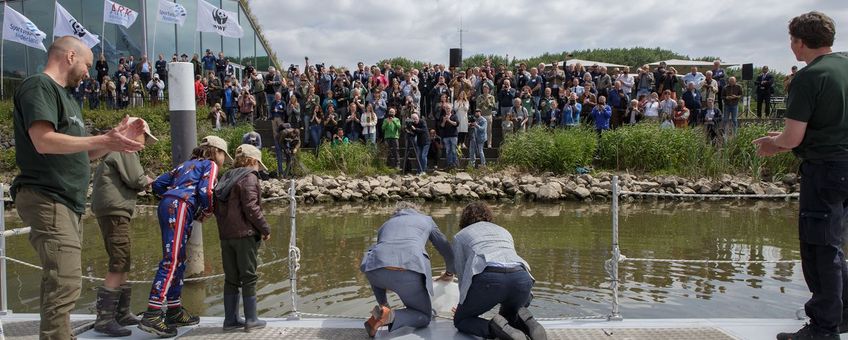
417 129
352 124
448 130
486 105
505 96
316 126
273 85
478 139
368 121
520 115
440 89
331 124
391 133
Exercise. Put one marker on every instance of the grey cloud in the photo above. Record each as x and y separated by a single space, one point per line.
343 32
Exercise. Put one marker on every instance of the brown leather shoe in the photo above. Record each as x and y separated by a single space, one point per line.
380 316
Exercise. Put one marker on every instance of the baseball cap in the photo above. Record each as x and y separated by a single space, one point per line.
250 151
150 137
217 142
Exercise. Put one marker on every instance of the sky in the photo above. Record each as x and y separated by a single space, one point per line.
342 32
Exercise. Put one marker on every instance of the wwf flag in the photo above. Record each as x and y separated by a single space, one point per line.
214 19
66 25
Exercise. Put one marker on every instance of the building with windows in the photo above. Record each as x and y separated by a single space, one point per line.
145 36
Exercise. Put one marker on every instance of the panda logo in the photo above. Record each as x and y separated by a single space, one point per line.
220 16
180 10
79 30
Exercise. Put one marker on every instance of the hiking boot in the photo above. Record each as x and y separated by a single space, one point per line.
251 320
530 326
232 321
153 322
179 317
380 316
809 332
123 314
107 301
501 329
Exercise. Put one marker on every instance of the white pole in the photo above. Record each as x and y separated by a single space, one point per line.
155 27
616 253
144 28
2 74
4 307
294 252
55 5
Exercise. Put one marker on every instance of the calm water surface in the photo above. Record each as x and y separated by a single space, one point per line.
565 244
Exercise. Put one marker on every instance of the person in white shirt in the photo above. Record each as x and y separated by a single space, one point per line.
694 77
156 89
626 80
652 108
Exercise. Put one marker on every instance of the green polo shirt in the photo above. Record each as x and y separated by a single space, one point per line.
64 178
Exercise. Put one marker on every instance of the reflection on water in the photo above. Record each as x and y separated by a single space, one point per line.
565 245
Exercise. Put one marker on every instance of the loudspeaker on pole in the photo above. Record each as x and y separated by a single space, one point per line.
747 71
455 57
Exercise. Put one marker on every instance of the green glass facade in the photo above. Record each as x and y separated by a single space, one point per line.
145 36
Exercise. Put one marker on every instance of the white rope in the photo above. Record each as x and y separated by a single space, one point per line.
294 254
93 278
722 196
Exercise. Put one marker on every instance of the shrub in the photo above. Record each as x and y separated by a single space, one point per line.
540 149
741 155
354 159
650 148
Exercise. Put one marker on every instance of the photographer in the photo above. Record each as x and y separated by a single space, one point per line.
273 83
486 104
478 138
352 124
505 97
418 128
519 114
440 89
449 134
391 132
330 124
436 146
257 88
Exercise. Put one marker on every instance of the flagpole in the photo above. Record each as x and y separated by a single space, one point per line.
2 55
55 8
155 27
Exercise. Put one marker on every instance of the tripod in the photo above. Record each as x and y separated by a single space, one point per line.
746 96
410 140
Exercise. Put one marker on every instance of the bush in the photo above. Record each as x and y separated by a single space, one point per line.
741 155
354 159
540 149
7 160
649 148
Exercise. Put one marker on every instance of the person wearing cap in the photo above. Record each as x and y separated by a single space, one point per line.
156 89
117 181
187 194
242 228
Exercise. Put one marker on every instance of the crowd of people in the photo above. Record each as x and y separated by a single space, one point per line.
379 103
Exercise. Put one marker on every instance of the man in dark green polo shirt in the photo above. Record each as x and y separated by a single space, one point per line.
817 132
53 153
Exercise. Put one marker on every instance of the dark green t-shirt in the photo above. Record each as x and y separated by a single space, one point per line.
819 96
62 177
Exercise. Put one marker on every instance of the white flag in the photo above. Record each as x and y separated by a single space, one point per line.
171 12
18 28
214 19
118 14
66 25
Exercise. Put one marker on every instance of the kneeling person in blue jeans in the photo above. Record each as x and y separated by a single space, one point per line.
490 273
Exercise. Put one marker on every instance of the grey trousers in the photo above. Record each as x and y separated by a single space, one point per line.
411 289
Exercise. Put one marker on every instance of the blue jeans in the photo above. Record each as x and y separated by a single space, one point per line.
231 115
411 289
731 115
450 150
423 150
510 290
477 151
315 136
370 138
269 100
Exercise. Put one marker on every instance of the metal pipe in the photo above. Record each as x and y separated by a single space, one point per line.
616 254
294 253
14 232
4 308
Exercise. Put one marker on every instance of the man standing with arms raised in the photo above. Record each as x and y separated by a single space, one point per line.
817 132
53 153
